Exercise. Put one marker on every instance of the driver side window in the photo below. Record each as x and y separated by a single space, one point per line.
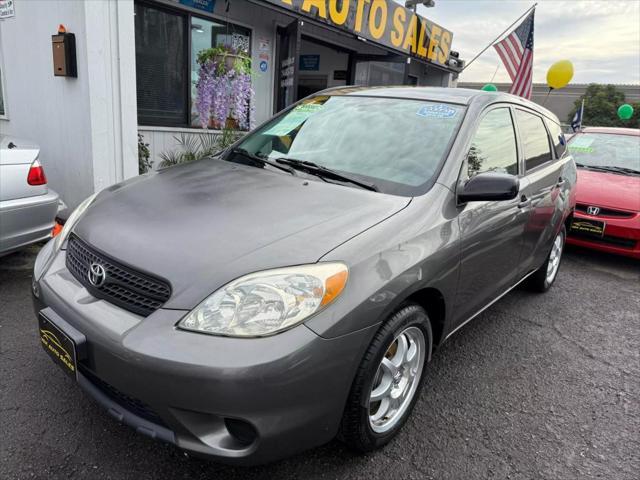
493 148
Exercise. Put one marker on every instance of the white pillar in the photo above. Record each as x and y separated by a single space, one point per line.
111 71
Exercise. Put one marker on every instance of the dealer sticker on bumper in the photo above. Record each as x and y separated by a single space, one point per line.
58 345
590 227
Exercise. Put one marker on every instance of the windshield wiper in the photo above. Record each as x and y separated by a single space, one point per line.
261 160
321 171
610 169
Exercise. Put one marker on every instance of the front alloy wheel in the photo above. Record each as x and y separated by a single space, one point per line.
396 380
388 380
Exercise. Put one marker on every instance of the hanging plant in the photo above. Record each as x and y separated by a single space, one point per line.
223 89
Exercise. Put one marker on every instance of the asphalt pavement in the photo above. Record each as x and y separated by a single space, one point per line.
537 387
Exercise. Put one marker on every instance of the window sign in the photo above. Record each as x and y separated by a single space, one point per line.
3 112
264 45
310 62
240 42
384 22
206 5
7 8
286 72
264 53
340 75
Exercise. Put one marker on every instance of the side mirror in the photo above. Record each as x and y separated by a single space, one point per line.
490 186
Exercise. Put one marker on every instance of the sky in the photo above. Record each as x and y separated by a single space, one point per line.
600 37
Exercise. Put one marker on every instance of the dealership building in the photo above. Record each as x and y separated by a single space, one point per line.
128 66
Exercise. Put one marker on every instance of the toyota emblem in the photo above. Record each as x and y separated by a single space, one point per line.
593 210
97 274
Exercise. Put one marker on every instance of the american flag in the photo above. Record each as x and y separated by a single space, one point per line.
516 52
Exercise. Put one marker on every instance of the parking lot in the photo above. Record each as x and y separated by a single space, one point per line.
538 386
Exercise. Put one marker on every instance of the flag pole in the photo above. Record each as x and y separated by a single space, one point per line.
581 115
498 37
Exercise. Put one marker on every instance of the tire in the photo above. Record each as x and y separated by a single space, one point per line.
542 279
407 327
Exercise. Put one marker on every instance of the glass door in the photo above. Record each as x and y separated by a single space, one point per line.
288 54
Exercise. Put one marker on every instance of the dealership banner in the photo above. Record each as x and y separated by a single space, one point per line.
381 21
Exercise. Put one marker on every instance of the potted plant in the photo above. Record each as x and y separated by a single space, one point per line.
223 89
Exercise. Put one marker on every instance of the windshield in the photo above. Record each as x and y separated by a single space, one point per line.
606 150
395 144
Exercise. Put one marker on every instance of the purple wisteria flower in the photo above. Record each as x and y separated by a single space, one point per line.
222 94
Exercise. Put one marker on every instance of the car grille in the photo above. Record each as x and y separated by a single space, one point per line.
606 239
605 212
131 404
123 286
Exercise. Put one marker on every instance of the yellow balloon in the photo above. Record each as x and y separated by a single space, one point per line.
560 74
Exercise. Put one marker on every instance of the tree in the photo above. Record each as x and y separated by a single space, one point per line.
601 104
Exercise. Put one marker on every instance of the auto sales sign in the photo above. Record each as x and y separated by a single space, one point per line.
380 21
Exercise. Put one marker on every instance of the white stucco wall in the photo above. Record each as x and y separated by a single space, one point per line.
85 126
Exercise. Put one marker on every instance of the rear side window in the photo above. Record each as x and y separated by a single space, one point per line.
535 141
557 138
493 148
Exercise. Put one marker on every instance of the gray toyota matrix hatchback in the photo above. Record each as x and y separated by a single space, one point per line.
292 288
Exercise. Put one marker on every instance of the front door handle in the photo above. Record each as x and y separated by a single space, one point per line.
524 202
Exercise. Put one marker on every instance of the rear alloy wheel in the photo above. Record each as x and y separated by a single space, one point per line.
388 380
544 277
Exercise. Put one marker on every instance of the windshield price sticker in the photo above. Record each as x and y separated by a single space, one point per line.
437 111
294 119
581 142
574 148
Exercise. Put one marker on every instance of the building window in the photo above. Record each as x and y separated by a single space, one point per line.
166 71
206 34
161 81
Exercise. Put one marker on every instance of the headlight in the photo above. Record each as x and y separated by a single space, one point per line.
71 222
59 239
268 302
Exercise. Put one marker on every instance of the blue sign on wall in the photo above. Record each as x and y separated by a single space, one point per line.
206 5
309 62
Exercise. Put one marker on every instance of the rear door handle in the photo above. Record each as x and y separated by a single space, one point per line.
524 202
560 182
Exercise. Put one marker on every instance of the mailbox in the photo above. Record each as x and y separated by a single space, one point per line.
64 54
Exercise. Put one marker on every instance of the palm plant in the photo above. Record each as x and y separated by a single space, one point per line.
193 147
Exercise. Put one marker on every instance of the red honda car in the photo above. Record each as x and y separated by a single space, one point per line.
607 215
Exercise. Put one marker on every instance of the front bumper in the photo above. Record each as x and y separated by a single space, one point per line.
246 401
621 235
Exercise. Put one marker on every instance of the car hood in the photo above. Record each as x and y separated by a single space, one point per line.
204 224
609 190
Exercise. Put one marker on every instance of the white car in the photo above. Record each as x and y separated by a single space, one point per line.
27 206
